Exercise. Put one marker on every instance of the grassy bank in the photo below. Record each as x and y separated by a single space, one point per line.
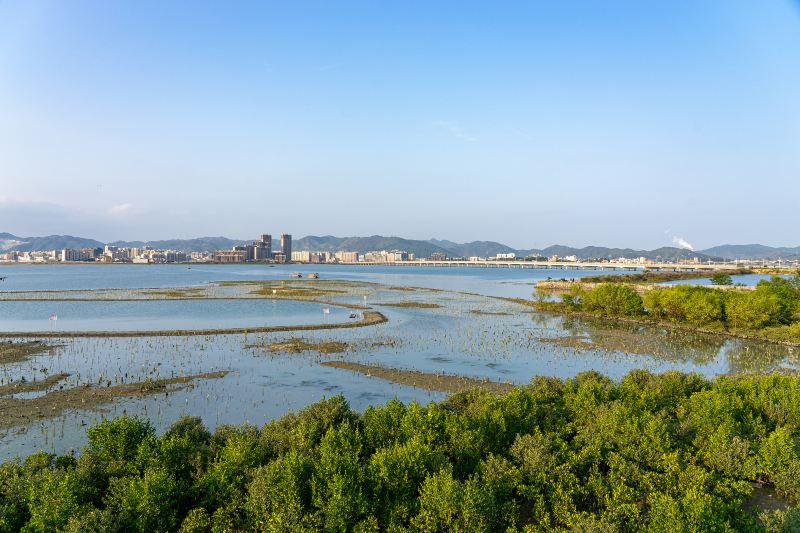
671 452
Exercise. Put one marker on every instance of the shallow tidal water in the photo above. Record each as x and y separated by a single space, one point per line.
472 334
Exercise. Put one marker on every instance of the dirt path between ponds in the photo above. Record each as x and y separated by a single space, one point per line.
24 411
422 380
370 318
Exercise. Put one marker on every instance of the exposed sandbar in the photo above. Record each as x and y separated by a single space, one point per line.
298 345
19 386
15 352
20 412
422 380
413 305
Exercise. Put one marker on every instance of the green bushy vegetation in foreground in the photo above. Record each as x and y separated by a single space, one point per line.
654 452
770 311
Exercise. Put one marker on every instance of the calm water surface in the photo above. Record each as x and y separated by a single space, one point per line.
514 344
161 315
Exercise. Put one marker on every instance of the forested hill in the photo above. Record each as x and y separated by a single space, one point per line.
753 251
200 244
329 243
50 242
665 253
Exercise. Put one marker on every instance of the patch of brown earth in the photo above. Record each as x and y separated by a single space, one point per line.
764 499
295 292
297 345
520 301
422 380
413 305
188 292
31 386
20 412
572 341
15 352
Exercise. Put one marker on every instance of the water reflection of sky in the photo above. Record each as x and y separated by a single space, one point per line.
459 338
160 314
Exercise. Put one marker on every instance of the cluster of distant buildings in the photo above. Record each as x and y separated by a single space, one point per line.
382 256
262 250
512 256
107 254
259 250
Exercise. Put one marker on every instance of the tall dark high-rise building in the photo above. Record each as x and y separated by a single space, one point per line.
262 250
286 246
266 242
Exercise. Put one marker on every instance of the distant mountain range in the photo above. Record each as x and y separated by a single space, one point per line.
666 253
200 244
753 251
329 243
421 248
474 248
482 248
10 242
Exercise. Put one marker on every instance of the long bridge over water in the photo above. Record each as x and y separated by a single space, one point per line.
557 265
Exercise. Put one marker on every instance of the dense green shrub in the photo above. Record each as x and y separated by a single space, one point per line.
771 310
613 299
721 278
652 452
698 306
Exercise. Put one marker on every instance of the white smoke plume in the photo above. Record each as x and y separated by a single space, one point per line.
680 242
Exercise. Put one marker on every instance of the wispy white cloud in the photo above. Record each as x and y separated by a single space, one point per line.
27 216
120 210
455 130
680 242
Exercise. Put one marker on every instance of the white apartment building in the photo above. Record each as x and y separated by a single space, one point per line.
347 257
69 254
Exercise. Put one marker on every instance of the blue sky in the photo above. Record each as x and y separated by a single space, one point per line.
621 123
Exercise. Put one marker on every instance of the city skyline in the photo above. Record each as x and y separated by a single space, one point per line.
623 124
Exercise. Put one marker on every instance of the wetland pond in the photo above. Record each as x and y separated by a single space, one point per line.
153 315
447 328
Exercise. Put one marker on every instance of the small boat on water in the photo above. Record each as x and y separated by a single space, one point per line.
353 315
296 275
313 275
